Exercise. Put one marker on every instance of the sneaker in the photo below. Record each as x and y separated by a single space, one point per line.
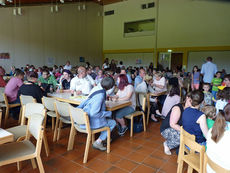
99 146
122 130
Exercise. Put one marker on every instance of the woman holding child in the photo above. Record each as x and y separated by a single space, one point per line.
170 127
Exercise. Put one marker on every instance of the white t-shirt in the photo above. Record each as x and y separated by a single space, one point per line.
220 104
219 152
82 84
68 67
125 91
162 82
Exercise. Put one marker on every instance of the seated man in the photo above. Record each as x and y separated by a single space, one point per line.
30 88
96 110
82 83
47 81
12 87
139 83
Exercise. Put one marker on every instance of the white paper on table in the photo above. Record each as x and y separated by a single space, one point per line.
4 133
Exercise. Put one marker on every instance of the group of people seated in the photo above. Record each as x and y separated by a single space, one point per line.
197 112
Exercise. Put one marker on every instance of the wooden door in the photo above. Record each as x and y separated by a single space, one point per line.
176 61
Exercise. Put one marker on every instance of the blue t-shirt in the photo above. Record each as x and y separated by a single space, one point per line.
189 119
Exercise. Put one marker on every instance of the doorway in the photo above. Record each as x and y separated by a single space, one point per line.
176 61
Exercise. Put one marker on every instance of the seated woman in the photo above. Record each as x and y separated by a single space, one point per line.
158 86
30 88
99 77
218 140
193 120
170 127
172 99
125 93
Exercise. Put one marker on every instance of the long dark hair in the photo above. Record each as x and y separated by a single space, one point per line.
218 128
175 90
123 81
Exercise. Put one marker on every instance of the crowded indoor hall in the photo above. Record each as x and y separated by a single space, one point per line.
114 86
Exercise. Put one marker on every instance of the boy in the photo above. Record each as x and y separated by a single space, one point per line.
207 96
210 112
216 81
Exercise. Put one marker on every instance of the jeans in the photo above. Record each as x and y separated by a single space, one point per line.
123 112
16 110
214 94
111 124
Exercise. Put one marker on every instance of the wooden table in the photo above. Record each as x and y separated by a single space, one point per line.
5 136
66 97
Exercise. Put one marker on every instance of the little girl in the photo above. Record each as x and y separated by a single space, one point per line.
195 78
222 100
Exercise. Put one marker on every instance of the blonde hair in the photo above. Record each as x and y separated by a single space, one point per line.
209 111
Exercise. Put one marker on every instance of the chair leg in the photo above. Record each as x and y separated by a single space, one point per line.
55 130
87 148
148 112
53 123
144 122
19 165
20 116
40 165
46 145
59 130
6 116
190 169
71 138
180 166
131 127
34 165
93 138
108 140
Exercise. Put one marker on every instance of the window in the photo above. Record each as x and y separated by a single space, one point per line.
139 28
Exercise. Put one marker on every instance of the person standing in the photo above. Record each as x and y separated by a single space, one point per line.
208 70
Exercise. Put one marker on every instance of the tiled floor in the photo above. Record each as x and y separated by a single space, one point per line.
141 154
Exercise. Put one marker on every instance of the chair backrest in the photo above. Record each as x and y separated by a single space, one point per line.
213 165
5 99
36 129
48 102
26 99
141 100
32 108
188 140
79 117
61 108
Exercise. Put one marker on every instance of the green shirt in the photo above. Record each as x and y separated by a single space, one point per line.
210 123
216 82
51 80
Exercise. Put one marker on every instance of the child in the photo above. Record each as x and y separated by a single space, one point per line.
195 78
207 96
216 81
210 112
222 100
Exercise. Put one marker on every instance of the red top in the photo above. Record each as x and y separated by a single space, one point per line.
2 82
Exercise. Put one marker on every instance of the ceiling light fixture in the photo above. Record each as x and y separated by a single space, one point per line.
2 2
62 1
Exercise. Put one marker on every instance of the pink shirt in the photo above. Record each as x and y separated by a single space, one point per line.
12 87
169 103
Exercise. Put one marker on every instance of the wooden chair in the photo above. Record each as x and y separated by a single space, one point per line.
135 114
148 95
79 117
25 150
213 165
62 113
8 107
48 102
195 157
24 100
29 109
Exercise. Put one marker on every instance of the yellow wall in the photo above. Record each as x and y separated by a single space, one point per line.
184 26
113 29
39 35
